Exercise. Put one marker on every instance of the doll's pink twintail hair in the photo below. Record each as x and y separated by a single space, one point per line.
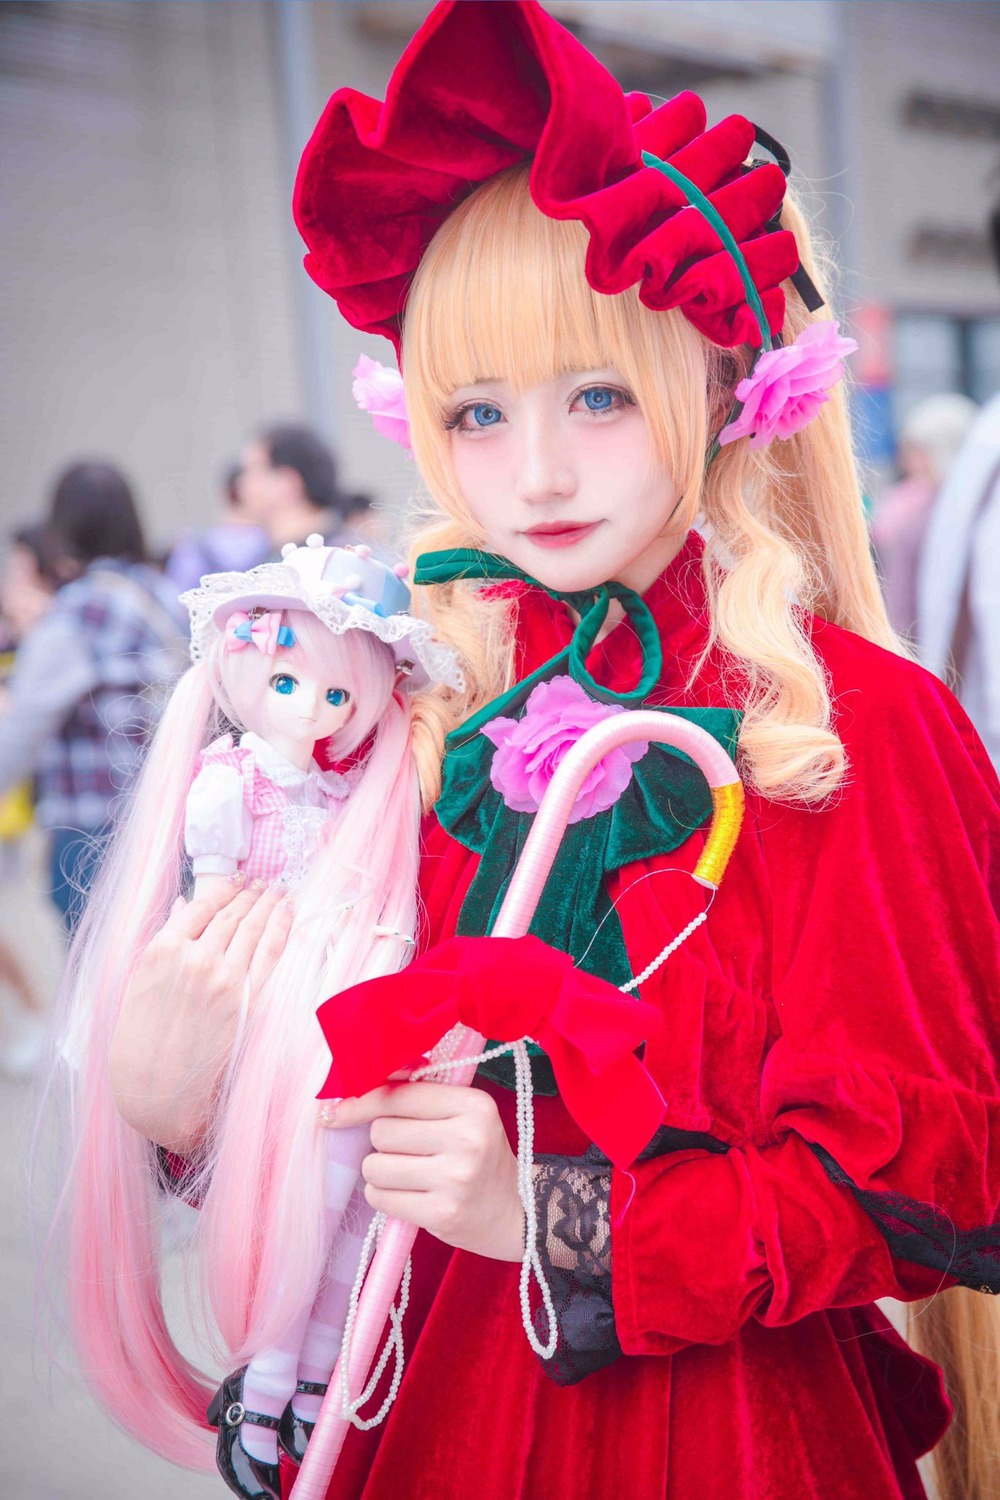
260 1230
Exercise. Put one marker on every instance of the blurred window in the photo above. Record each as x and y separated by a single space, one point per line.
937 352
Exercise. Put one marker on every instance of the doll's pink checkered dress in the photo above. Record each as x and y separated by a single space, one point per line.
250 809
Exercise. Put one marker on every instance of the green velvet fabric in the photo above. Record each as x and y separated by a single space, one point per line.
590 604
666 800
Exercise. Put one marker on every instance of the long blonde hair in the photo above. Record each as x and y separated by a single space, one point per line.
501 288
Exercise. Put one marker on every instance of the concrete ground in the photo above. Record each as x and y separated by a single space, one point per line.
63 1447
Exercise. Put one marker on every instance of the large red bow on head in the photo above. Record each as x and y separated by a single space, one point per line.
486 84
506 988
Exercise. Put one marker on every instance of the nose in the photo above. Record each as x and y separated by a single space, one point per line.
309 700
545 465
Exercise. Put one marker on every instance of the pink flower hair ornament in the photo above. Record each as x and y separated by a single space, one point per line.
788 385
378 390
530 749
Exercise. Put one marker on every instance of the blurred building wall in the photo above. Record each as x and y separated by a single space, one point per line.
153 307
146 301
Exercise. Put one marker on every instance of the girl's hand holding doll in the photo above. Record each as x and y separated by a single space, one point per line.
442 1161
180 1012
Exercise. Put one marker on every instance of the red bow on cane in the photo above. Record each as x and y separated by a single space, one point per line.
506 988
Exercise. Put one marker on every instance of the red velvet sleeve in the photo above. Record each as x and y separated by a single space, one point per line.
877 1171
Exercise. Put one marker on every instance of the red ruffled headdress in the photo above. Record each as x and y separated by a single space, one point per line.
485 84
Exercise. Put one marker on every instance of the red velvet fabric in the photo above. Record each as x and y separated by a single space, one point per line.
587 1027
842 993
486 84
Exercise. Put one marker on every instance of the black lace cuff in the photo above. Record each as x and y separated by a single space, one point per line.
924 1234
573 1205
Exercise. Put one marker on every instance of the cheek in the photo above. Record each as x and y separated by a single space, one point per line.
332 718
481 477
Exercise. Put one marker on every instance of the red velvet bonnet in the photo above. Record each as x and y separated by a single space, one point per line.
485 84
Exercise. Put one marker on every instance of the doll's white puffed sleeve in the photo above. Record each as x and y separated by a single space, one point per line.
217 822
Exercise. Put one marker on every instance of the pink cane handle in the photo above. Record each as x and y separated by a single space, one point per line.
513 920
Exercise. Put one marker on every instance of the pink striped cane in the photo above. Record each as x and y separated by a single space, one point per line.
386 1271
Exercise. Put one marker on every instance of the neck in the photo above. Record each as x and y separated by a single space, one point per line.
296 523
297 752
641 574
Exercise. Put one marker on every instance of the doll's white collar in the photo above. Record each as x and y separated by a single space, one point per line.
279 769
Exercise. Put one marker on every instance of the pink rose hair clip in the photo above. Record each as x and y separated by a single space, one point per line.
378 390
788 385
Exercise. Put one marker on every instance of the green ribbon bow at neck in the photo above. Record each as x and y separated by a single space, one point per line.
666 800
591 605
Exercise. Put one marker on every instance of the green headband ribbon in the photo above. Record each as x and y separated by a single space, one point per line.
590 604
698 200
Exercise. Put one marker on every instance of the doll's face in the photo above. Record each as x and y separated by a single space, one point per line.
563 480
297 707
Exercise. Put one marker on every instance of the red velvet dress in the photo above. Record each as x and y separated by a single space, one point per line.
833 1025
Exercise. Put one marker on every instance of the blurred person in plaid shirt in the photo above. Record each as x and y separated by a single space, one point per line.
83 694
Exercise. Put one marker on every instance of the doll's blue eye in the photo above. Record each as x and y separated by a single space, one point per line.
485 415
283 684
336 696
599 397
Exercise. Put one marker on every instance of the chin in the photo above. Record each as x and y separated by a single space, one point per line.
566 572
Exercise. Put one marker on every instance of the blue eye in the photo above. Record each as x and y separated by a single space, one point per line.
284 684
484 414
599 397
336 696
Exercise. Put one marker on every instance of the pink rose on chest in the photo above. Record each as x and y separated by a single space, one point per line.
530 749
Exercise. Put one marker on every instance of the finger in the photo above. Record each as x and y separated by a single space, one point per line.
221 929
189 919
413 1208
408 1174
414 1101
411 1137
262 936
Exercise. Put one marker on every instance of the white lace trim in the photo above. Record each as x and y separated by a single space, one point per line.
279 769
278 582
302 831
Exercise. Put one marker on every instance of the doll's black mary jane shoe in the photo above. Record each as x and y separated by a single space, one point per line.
246 1476
295 1432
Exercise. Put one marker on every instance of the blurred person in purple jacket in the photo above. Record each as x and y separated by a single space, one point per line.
929 438
83 693
230 546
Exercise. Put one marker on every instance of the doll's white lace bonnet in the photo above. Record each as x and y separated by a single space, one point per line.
344 587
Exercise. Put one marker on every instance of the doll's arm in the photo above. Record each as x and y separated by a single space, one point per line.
217 824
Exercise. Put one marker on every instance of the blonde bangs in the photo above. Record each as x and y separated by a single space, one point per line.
538 319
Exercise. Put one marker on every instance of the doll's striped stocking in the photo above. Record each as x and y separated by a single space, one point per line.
271 1375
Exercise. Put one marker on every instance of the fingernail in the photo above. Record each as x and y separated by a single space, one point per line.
258 885
328 1114
239 878
287 903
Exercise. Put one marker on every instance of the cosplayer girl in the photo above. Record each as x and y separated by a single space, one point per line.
315 650
601 351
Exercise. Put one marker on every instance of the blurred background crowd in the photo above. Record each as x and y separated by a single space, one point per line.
176 397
